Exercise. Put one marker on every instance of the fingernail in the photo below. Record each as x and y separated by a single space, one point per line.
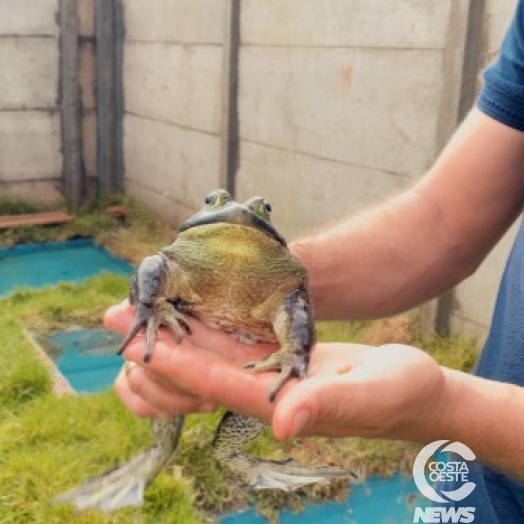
300 421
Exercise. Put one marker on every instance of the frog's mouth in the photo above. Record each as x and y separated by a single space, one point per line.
233 213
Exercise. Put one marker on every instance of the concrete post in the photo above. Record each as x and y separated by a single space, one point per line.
229 125
74 184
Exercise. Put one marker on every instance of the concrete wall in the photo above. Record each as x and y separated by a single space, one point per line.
316 123
331 97
172 92
30 148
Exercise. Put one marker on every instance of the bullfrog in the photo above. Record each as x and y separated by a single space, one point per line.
232 270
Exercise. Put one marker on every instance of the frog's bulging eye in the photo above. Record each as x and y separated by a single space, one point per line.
217 198
267 207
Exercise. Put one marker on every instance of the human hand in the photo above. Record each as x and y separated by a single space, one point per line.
389 391
181 377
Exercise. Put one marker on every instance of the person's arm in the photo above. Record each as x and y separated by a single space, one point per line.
424 241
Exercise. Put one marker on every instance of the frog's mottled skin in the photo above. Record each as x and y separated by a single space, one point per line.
231 269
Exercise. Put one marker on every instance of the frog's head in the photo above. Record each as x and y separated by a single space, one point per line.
219 207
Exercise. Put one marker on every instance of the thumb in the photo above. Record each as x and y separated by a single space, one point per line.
328 406
296 411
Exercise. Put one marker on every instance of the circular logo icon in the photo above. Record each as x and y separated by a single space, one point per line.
441 471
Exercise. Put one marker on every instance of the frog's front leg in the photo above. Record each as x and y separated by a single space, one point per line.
294 328
155 289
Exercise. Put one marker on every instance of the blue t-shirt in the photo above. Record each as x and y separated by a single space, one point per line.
497 498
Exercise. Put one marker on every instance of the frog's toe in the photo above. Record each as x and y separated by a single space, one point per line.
152 317
286 475
142 315
289 365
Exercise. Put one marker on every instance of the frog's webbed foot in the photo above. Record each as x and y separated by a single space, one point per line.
294 328
236 430
152 309
288 475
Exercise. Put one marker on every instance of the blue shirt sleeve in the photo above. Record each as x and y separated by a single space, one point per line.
502 96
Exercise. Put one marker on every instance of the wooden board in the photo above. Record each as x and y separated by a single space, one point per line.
35 219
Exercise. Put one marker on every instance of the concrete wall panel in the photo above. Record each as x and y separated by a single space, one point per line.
173 83
360 106
28 73
29 145
42 191
29 17
498 15
176 164
306 192
195 21
417 24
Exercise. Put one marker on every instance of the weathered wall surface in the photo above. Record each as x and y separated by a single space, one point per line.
172 92
30 148
331 98
31 134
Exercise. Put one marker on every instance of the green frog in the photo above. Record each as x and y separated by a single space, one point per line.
231 269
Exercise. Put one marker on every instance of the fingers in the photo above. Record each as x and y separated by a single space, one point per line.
201 374
181 378
132 401
326 406
145 396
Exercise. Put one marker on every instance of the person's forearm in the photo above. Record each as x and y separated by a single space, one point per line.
487 416
380 262
420 244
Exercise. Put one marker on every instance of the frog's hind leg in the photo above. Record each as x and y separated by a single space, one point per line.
124 485
235 431
295 331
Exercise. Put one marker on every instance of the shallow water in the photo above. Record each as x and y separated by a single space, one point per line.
37 265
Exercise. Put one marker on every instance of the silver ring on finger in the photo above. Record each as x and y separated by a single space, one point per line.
129 365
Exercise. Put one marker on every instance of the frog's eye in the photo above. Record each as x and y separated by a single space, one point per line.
217 198
260 206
